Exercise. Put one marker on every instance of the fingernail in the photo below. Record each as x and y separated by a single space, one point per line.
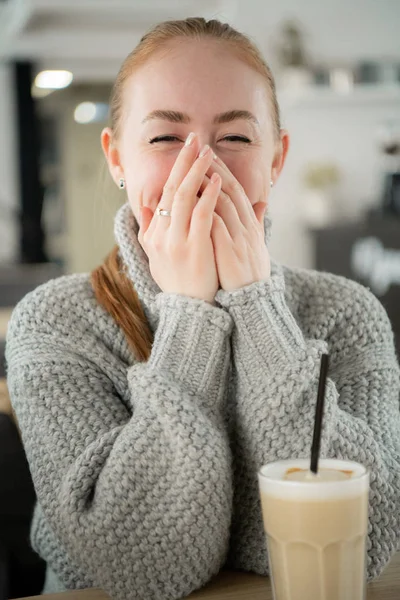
204 150
190 138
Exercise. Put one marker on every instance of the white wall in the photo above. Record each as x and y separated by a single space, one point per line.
8 168
92 198
344 131
337 32
337 29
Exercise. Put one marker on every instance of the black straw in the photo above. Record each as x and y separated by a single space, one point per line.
319 411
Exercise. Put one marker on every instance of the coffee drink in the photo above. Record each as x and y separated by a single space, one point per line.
316 528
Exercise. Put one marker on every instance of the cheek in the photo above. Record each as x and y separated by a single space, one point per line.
147 180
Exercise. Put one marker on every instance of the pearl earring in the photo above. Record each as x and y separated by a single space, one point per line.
122 183
272 183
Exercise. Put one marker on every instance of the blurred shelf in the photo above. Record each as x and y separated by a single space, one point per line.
50 173
17 280
318 95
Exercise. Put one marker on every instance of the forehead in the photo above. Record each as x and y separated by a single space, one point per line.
199 77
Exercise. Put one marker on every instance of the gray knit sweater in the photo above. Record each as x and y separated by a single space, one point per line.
146 473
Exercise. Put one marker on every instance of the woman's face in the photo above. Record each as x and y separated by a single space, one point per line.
195 83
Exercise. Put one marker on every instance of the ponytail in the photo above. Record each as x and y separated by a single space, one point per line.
116 294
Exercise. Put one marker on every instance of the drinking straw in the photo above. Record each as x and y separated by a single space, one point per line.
319 411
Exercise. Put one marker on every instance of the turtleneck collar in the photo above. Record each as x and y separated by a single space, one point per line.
135 260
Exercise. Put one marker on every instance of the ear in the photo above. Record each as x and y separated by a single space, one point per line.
112 155
281 151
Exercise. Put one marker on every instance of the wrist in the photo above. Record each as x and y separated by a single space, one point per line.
190 342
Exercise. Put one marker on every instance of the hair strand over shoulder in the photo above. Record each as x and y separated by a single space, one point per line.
116 294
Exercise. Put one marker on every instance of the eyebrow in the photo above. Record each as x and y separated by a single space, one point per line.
178 117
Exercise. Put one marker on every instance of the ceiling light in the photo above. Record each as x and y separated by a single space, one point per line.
39 93
91 112
53 80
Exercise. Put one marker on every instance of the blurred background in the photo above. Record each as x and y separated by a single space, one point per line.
336 206
337 67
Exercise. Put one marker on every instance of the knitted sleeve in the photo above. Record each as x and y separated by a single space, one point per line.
277 370
139 493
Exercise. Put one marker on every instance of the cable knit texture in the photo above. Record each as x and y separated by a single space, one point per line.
146 473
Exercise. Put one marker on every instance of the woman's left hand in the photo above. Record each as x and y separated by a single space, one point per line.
237 233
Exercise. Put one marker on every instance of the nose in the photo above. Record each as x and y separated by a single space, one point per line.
204 139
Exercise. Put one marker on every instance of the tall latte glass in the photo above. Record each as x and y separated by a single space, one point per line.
316 529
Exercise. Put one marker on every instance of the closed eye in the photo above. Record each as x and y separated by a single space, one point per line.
237 138
171 138
163 138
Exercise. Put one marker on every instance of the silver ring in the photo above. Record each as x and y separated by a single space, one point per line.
163 213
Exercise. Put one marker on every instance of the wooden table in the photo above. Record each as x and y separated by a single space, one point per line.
5 314
245 586
5 404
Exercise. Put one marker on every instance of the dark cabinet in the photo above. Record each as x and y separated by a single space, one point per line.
368 252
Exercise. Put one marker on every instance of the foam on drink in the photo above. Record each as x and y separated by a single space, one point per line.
297 474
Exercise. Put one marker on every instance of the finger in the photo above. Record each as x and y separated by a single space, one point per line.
153 223
186 198
232 187
202 216
219 234
227 211
259 211
146 216
184 161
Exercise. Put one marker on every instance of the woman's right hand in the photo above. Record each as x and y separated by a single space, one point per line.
180 248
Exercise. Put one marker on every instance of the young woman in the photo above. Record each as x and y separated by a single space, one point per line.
151 392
